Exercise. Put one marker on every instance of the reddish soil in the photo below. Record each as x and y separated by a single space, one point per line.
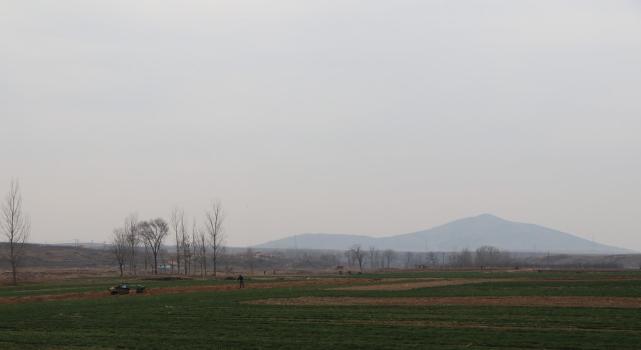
173 290
614 302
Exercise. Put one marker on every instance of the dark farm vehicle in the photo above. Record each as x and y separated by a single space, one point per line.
124 288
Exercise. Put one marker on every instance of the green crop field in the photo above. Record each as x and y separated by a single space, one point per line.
210 314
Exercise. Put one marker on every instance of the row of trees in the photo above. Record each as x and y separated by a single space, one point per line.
379 259
151 233
356 255
485 256
15 227
193 247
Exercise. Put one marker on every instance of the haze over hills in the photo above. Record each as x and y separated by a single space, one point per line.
469 233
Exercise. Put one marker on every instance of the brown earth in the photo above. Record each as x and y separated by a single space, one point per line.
553 301
39 275
409 284
174 290
420 284
475 325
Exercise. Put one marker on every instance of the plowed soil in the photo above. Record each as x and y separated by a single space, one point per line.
419 284
552 301
173 290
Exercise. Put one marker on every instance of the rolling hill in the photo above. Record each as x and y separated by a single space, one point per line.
469 233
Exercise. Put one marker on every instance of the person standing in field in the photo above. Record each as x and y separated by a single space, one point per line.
241 281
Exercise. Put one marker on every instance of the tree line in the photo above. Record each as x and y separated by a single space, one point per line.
200 247
485 256
195 245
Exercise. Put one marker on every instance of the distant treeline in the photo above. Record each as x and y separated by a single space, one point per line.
269 261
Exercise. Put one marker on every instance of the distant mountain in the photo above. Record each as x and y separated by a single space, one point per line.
469 233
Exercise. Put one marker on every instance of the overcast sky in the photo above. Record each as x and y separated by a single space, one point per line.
367 117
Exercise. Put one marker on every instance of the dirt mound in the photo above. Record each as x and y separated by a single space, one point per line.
614 302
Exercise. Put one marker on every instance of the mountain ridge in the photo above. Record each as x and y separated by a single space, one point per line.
470 233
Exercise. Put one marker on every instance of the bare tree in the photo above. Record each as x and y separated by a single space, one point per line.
178 226
350 257
194 244
358 255
133 239
432 259
409 258
185 243
389 256
214 219
491 256
153 233
16 227
146 247
200 248
203 252
328 260
464 258
373 257
120 248
250 259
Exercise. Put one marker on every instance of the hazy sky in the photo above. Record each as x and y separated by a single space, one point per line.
371 117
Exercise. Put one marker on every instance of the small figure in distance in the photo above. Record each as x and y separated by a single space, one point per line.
241 281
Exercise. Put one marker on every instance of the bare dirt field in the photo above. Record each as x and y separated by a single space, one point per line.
538 301
174 290
474 325
413 284
33 275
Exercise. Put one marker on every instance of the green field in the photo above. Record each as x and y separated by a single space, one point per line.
220 319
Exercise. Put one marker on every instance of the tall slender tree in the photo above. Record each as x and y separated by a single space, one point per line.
214 219
195 251
178 226
153 232
16 227
388 257
185 245
358 255
133 239
373 257
120 248
200 248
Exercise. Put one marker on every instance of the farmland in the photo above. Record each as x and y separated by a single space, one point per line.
420 309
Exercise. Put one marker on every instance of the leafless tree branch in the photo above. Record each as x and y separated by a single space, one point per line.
153 232
120 248
214 219
16 227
